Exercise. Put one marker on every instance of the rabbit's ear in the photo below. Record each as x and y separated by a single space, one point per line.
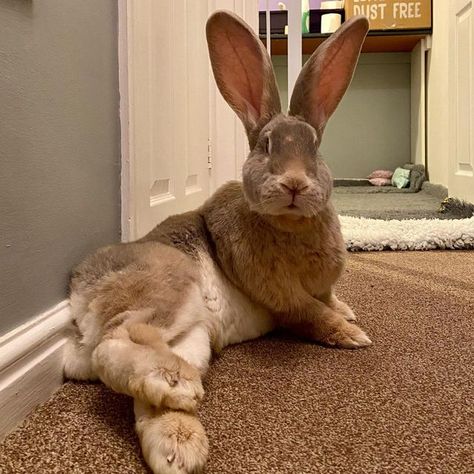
243 70
327 74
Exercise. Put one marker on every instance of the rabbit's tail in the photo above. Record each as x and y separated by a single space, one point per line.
84 335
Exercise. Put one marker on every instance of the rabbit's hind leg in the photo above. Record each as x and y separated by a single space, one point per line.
135 360
172 442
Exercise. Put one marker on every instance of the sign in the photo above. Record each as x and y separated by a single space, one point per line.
392 14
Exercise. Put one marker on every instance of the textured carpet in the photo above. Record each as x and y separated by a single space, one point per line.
368 201
278 405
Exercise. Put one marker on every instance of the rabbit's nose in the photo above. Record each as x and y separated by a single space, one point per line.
294 182
294 187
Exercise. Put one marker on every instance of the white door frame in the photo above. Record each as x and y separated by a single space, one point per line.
418 106
127 205
460 92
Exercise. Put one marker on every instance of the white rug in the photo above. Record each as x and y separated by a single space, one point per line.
423 234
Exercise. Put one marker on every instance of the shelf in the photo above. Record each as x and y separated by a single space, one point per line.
394 41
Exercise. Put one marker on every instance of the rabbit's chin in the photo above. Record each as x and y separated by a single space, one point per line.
291 211
290 222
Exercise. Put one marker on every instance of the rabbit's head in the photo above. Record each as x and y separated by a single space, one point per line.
283 174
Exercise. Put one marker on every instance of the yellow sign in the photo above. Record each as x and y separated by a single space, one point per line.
392 14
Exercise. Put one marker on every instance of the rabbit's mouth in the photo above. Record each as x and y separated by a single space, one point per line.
291 205
292 209
296 205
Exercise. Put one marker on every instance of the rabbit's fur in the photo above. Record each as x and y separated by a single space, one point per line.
257 255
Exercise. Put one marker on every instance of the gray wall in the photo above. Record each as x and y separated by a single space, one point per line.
59 146
371 127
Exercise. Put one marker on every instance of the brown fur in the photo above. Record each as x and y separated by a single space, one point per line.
274 259
131 277
186 232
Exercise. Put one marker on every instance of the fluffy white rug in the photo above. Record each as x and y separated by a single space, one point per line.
423 234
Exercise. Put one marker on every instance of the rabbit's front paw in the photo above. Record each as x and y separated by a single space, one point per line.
347 336
343 309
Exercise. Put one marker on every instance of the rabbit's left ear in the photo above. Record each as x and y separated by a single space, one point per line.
243 71
327 74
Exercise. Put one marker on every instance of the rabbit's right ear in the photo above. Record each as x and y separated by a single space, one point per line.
243 71
327 74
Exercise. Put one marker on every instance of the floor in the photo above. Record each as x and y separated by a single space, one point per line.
279 405
365 201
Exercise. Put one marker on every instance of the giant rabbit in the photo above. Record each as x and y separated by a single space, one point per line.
257 255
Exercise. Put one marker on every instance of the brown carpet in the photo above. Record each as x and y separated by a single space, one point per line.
278 405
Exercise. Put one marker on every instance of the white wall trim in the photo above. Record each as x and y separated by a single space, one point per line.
31 365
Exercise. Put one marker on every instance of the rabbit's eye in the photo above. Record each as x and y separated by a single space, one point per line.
314 148
268 145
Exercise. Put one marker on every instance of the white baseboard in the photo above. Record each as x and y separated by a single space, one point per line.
31 365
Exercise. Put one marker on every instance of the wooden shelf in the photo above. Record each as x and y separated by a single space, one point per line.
376 41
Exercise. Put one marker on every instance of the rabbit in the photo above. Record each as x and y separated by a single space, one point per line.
259 254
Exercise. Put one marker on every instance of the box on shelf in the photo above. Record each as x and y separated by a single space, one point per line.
315 18
279 19
392 14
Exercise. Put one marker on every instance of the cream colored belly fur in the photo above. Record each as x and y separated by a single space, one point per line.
233 317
